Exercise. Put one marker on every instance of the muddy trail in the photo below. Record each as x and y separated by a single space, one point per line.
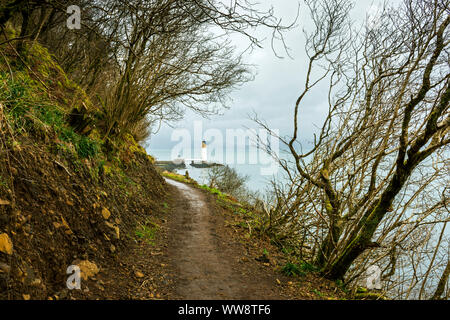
207 264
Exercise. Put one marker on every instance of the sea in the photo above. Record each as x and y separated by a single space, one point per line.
259 168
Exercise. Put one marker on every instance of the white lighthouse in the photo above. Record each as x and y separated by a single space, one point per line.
204 152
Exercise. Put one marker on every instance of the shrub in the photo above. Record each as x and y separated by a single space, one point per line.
292 269
227 180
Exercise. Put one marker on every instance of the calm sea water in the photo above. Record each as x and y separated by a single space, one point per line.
258 167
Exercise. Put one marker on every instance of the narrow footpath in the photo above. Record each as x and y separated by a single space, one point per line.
209 267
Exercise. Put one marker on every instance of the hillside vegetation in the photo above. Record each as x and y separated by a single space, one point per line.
65 198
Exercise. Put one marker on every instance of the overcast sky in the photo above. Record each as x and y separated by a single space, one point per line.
276 86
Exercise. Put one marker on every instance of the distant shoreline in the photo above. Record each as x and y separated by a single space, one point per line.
171 165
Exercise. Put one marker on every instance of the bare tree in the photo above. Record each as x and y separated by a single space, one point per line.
146 61
379 162
228 180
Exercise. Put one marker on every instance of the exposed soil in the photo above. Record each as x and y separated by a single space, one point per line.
57 214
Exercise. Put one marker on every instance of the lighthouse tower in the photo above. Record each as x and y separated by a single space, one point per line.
204 152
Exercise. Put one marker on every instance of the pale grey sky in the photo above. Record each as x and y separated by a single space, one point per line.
276 86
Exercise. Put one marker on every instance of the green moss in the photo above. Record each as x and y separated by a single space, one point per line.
369 296
328 206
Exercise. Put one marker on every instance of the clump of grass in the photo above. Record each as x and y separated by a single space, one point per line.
4 183
224 199
307 267
29 109
85 147
292 269
298 269
147 232
340 284
287 250
211 190
320 294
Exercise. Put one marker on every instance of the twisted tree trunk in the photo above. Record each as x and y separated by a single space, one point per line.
442 282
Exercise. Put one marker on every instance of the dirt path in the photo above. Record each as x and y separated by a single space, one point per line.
199 252
208 266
